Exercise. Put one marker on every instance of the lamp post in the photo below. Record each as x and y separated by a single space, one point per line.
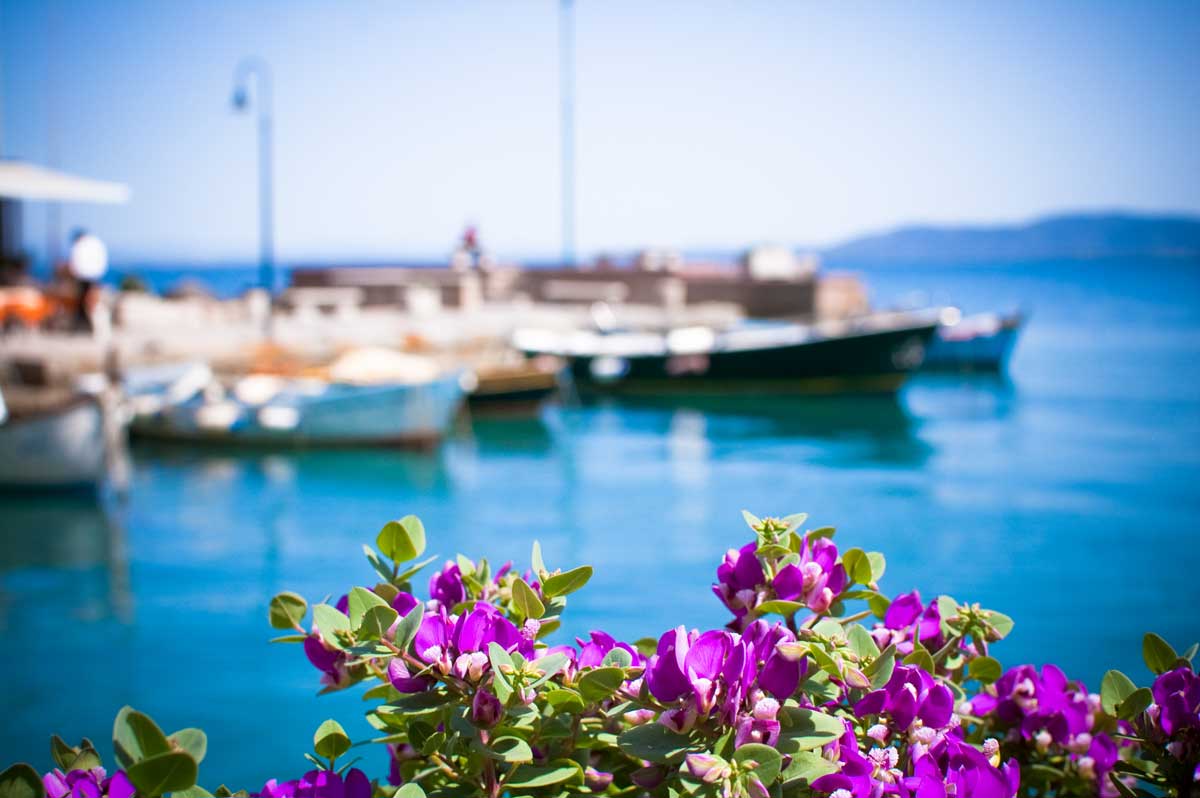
255 73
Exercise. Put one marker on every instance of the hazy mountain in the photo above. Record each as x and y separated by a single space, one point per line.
1100 235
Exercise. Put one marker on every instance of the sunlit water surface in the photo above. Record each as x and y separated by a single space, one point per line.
1066 496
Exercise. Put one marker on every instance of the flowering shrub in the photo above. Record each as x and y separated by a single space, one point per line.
818 686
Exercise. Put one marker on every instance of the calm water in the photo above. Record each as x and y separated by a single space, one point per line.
1066 496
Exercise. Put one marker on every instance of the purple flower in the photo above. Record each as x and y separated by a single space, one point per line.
740 577
908 620
320 784
817 580
460 646
446 586
486 709
593 651
1177 694
1034 703
741 678
93 783
910 694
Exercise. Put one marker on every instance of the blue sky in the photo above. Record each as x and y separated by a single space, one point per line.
699 124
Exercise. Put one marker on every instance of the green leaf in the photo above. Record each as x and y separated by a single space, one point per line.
1121 786
21 781
377 621
502 666
402 540
410 790
62 753
526 601
752 520
857 566
565 701
192 741
806 767
556 772
1115 688
411 571
330 740
861 641
879 604
618 658
878 565
409 626
1001 623
549 665
169 772
1135 704
806 729
598 684
947 607
762 760
330 621
921 658
569 582
881 668
794 520
985 669
539 566
779 607
1158 654
136 736
820 532
287 611
656 743
358 602
86 759
510 749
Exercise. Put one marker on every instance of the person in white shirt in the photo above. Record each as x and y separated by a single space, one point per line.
88 262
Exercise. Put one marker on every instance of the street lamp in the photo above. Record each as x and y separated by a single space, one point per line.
254 73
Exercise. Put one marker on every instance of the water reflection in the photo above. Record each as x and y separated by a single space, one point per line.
65 558
854 430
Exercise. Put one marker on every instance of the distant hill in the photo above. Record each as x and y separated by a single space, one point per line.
1069 236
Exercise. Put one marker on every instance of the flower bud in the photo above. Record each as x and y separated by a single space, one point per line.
878 733
766 708
1087 767
707 768
1043 740
486 709
596 780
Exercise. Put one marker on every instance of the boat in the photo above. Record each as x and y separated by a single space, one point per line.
269 410
870 354
981 342
514 387
52 440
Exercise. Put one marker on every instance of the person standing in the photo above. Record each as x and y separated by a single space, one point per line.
88 262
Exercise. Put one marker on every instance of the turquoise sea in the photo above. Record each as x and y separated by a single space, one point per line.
1067 495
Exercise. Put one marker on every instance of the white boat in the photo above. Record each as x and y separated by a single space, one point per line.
53 443
264 410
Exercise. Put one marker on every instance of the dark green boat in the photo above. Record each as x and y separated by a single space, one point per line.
874 354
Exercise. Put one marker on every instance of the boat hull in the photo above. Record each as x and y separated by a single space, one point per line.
984 352
63 449
862 362
414 416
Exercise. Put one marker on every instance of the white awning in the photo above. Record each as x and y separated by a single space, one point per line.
19 180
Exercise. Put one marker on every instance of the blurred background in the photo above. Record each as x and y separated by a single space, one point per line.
600 274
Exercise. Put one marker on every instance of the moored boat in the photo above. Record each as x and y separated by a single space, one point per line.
52 440
266 410
518 387
980 342
872 354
